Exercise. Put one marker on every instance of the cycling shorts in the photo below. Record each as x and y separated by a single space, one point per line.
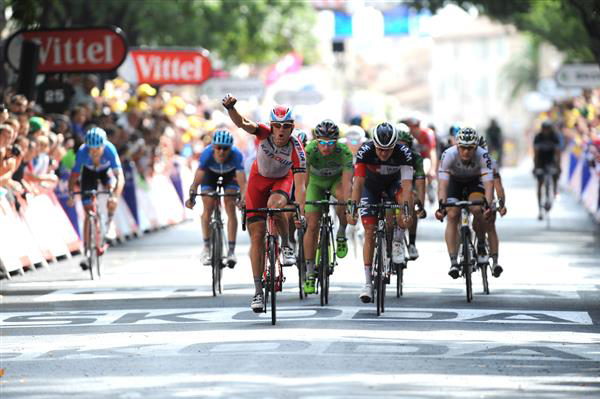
316 190
209 183
370 195
465 190
545 166
260 188
89 181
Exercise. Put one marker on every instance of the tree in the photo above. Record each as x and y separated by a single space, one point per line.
236 31
572 26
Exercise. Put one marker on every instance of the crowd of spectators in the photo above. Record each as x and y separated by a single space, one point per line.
577 121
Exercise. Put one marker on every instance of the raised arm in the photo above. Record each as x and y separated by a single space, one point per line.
240 121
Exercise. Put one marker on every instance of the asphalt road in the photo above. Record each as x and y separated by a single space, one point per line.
152 329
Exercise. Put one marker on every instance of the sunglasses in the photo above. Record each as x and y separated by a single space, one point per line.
285 125
221 147
327 142
465 147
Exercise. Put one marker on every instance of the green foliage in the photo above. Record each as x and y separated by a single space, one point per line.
523 71
256 31
572 26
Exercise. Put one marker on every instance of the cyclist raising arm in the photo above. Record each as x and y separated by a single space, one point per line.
383 167
330 168
465 173
220 159
280 161
97 160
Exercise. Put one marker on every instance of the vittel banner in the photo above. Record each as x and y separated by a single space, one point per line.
166 66
68 50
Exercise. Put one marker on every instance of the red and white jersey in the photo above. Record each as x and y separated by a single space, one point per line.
275 162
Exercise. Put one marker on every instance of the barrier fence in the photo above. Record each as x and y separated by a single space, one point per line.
582 177
45 228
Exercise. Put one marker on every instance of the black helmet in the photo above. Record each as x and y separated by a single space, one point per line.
385 135
327 128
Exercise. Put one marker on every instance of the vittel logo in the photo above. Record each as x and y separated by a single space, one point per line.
171 66
72 50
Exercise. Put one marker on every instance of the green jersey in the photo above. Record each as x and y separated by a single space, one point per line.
331 166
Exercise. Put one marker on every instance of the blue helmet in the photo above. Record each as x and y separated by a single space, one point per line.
222 137
95 137
301 135
282 113
453 130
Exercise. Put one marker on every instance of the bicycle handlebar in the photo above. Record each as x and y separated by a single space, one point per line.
462 204
269 211
92 192
214 194
326 202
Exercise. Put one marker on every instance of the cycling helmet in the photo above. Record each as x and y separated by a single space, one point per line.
385 136
222 137
412 121
282 113
95 137
547 123
327 129
482 142
355 132
467 136
301 135
404 134
454 129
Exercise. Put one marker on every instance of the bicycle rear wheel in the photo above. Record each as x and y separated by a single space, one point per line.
215 238
466 266
272 251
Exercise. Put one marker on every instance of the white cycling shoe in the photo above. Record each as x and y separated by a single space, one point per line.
397 252
206 257
366 295
413 254
289 259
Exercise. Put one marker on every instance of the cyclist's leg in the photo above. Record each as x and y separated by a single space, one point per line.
341 240
314 192
494 243
476 192
539 175
369 222
279 198
451 234
88 181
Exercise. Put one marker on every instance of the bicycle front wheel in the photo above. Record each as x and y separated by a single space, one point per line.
324 265
379 277
272 258
216 244
484 276
301 264
92 254
466 266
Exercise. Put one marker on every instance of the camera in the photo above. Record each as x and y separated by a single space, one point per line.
15 150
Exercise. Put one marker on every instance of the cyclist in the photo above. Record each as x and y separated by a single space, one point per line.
330 168
491 232
465 172
97 161
383 166
546 147
220 159
354 139
404 137
280 161
426 145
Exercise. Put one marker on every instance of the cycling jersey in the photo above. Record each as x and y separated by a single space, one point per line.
213 169
426 142
451 165
275 162
108 160
90 174
331 165
377 173
325 171
546 146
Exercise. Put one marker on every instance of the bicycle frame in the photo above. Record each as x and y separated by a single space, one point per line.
273 277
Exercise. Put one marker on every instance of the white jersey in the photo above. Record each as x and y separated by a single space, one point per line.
478 167
275 162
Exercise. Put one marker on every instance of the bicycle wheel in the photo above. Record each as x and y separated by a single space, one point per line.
379 278
99 245
323 264
90 244
272 251
301 264
466 266
215 240
399 279
484 267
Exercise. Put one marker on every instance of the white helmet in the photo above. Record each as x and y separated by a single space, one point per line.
385 135
467 137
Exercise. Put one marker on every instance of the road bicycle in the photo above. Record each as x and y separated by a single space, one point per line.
326 257
273 278
548 173
218 246
467 253
382 265
94 243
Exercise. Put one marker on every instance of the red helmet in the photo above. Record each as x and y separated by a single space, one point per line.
281 113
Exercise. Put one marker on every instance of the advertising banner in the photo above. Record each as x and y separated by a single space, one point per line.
99 49
165 66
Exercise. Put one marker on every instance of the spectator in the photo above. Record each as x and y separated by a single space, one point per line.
53 95
494 139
